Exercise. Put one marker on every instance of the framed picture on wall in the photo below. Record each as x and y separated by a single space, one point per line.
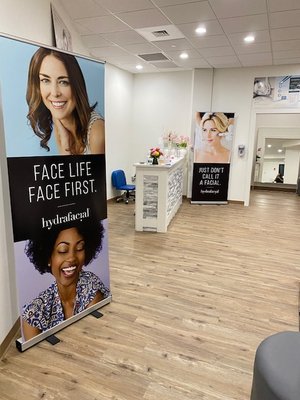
63 39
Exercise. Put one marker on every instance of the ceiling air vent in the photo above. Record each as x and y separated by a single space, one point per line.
159 34
153 57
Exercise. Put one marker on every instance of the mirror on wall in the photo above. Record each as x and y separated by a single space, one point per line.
277 159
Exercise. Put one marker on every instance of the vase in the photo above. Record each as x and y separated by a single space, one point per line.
154 161
182 152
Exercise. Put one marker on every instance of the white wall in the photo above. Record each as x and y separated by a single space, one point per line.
292 158
26 19
8 300
161 103
270 170
120 148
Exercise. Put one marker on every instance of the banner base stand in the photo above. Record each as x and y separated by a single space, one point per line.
209 202
96 314
22 345
52 339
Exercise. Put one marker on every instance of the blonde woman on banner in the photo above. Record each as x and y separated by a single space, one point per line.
213 137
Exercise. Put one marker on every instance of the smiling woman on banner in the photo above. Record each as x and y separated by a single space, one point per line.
58 103
63 253
213 138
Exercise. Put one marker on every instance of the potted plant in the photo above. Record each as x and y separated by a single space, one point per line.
155 153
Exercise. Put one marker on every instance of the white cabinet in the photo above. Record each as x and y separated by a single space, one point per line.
158 195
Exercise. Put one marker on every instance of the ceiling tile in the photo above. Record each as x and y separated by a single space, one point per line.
212 28
250 48
288 61
210 41
286 45
118 30
140 48
131 67
94 41
82 30
224 62
108 23
80 9
285 33
237 8
249 24
125 37
175 54
238 38
170 45
284 19
280 5
162 3
125 59
217 51
286 54
144 18
249 60
190 12
117 6
193 63
110 51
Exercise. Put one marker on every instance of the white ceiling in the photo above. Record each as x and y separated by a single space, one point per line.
279 144
118 31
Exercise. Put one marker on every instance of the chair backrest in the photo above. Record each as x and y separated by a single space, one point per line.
118 178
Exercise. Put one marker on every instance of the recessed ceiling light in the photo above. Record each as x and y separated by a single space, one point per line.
249 39
173 45
184 55
200 30
279 150
139 66
269 145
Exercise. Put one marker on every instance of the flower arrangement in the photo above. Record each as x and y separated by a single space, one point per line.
173 139
182 141
155 152
169 137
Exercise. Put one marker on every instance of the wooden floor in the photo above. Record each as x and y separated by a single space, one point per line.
188 312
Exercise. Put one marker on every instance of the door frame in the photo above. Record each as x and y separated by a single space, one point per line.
253 139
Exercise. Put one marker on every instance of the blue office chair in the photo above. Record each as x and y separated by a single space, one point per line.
119 182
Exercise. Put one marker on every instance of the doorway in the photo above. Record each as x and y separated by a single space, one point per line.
276 148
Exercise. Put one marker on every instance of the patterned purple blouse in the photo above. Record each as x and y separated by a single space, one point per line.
46 310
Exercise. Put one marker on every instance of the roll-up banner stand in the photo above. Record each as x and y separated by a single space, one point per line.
53 112
213 139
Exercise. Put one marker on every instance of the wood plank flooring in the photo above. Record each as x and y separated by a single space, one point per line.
189 309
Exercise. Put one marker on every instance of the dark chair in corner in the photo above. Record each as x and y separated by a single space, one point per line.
119 182
276 374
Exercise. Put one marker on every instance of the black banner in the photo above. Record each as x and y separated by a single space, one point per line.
55 190
210 182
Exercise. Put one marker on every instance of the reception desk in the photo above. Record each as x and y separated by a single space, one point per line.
158 194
